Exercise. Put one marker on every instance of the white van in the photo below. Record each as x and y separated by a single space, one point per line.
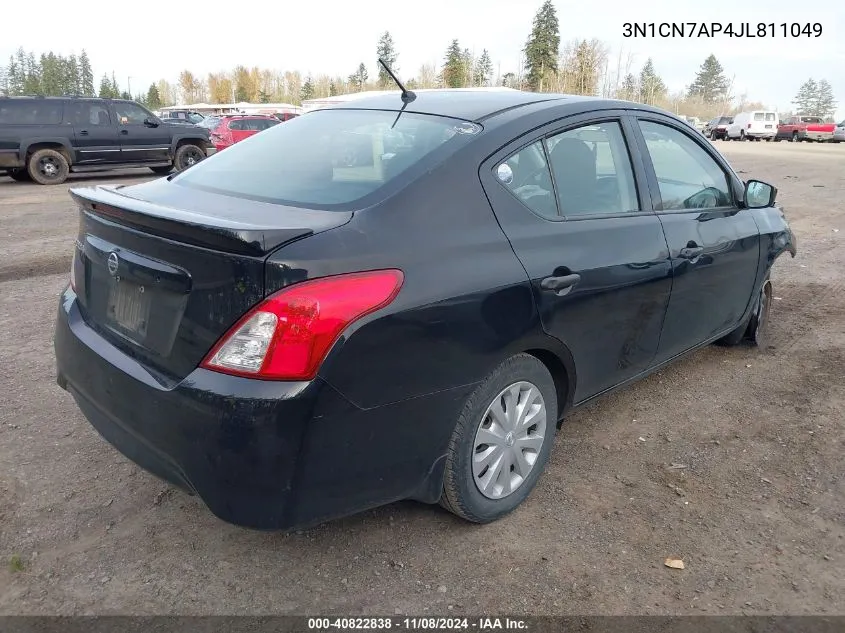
753 126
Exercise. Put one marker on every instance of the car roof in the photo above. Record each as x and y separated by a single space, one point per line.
456 103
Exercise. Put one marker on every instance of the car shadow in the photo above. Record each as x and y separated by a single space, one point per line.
134 175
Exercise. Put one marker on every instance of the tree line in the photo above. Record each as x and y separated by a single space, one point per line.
547 64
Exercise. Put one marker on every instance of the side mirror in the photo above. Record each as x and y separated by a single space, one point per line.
759 195
150 122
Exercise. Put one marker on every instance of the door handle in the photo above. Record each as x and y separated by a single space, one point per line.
83 132
691 252
560 285
124 131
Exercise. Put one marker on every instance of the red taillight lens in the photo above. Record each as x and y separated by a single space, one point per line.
288 335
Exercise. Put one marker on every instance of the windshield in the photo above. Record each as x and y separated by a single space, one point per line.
210 122
328 158
195 118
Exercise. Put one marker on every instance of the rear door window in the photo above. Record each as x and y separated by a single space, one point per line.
592 170
86 113
330 158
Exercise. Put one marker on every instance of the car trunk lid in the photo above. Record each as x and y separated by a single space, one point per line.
163 271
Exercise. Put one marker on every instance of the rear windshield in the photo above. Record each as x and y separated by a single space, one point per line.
764 116
328 158
725 120
30 112
210 122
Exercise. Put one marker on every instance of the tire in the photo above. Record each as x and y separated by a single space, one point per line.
162 171
19 175
462 495
186 156
755 325
48 167
758 324
742 135
795 137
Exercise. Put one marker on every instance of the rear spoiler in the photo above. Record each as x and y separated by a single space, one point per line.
231 236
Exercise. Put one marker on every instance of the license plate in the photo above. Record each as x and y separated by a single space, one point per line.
768 127
129 307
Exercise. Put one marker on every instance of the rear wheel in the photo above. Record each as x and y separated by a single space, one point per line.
187 156
501 441
162 171
20 175
48 167
795 137
742 135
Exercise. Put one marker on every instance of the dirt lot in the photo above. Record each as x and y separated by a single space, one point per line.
757 514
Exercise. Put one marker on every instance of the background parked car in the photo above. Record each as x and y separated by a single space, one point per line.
46 138
232 128
182 116
755 125
717 128
805 128
839 132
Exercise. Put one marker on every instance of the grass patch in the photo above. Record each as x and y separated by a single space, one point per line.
16 563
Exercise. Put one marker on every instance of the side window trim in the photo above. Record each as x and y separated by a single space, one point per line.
563 124
653 183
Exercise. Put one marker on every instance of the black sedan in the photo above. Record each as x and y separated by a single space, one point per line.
402 298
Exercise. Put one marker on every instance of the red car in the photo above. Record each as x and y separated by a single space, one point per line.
228 129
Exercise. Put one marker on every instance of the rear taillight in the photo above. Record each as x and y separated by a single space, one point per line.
288 335
748 126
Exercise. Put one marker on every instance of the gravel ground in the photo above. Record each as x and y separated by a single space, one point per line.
757 513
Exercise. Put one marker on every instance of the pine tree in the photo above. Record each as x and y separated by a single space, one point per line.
652 87
4 81
32 78
51 78
710 83
358 79
541 49
307 91
824 104
115 89
86 75
386 51
469 64
153 99
629 90
105 88
509 80
804 100
483 70
332 88
453 72
73 79
14 77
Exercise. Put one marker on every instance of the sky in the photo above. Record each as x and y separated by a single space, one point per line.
143 43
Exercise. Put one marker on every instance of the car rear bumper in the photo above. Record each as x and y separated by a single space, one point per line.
261 454
818 136
210 150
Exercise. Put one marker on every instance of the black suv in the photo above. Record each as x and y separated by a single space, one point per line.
718 128
45 138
